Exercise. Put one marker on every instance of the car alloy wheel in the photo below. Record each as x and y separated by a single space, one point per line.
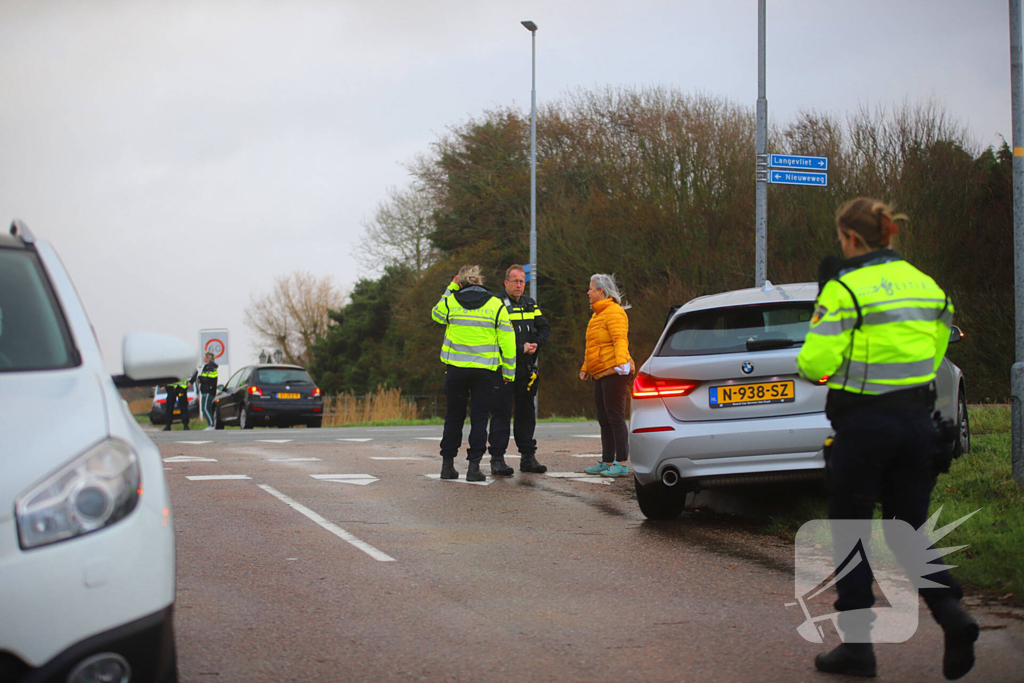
963 444
243 419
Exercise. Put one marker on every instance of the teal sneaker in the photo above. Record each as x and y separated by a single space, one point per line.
599 468
615 470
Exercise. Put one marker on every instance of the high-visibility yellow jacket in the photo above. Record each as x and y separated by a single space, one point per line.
478 333
887 332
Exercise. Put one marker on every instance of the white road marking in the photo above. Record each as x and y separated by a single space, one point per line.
294 460
189 458
358 479
461 479
580 476
587 436
427 438
199 443
356 440
330 526
586 455
273 440
211 477
385 457
291 559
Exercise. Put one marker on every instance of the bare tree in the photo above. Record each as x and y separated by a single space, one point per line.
399 232
294 314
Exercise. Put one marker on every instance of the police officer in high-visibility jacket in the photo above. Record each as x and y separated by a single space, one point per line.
479 350
878 334
532 332
205 379
177 395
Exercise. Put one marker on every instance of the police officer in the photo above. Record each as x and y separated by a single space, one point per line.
879 332
205 379
532 332
177 394
479 351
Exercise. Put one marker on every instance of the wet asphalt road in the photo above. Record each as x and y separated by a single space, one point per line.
292 574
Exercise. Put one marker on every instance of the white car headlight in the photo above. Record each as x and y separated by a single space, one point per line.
91 492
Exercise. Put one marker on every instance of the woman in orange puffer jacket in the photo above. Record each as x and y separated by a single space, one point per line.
609 364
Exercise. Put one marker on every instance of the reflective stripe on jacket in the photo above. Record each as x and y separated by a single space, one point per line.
891 334
476 337
607 339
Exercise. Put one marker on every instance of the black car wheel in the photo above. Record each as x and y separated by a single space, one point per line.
315 423
963 444
658 501
218 422
243 419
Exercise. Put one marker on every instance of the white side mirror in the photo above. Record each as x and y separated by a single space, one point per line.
155 358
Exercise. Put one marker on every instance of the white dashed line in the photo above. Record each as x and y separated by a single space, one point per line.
211 477
358 479
580 476
586 455
428 438
356 440
294 460
198 443
189 458
330 526
273 440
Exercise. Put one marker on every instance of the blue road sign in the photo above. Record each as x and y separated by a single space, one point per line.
798 178
792 161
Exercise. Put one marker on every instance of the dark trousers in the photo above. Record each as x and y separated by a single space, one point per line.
517 395
882 455
179 397
478 387
610 396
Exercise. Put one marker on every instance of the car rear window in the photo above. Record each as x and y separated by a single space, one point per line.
282 376
33 332
727 330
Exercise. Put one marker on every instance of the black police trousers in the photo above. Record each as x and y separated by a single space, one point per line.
882 455
478 387
517 395
176 396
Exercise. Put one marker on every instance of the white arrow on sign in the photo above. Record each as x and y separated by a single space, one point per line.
357 479
189 458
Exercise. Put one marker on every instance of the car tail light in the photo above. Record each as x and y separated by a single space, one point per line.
161 401
255 391
653 429
316 392
648 386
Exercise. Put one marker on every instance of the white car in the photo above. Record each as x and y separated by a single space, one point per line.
86 538
719 401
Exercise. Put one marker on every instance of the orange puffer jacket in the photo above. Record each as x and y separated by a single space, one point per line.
607 343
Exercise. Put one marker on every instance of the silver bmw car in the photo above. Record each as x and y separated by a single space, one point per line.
719 402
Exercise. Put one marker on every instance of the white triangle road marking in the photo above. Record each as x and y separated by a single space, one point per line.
189 458
460 480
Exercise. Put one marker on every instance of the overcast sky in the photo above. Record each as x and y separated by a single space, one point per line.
180 155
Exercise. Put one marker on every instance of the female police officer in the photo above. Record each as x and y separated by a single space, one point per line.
879 332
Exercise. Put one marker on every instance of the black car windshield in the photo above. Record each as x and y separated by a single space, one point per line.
281 376
33 332
738 329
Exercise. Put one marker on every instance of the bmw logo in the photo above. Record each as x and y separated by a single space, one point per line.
748 368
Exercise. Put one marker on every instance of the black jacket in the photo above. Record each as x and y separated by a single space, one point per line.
530 326
208 384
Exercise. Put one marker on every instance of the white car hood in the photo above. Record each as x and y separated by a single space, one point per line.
48 419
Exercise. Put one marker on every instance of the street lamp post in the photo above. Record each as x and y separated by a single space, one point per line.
532 28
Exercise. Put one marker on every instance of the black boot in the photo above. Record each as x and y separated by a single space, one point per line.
185 426
529 464
961 631
499 467
855 659
168 427
448 470
473 472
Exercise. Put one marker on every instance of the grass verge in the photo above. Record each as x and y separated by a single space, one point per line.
979 481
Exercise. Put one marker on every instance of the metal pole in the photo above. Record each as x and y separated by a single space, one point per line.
1017 371
533 167
761 184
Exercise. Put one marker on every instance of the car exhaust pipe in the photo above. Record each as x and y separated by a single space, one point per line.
670 476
